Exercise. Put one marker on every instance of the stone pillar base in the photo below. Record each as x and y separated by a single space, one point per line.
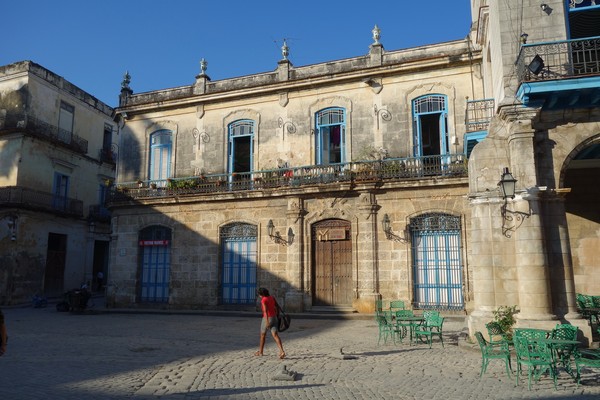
366 303
476 322
294 301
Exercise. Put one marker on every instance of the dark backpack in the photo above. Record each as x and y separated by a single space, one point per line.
283 321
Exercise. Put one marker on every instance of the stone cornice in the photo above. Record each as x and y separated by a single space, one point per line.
407 62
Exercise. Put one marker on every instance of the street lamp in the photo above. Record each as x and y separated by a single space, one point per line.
276 237
511 220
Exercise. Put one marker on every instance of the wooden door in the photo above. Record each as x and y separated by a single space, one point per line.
332 263
56 255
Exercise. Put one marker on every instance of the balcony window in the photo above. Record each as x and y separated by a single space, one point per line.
330 136
65 122
584 18
60 191
241 146
160 155
430 117
107 143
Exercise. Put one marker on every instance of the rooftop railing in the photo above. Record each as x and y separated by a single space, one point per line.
18 196
363 172
558 60
36 127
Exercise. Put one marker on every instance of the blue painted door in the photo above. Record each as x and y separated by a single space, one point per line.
156 270
437 265
238 277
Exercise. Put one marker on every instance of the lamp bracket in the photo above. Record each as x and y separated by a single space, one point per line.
512 220
389 235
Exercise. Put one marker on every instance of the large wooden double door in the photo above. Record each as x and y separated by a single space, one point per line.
332 263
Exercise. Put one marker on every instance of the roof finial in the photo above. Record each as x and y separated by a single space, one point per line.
126 81
285 50
203 65
376 34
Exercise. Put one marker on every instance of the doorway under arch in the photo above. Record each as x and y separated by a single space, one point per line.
332 281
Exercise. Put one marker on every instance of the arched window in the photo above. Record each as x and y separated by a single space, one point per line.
240 146
437 262
161 143
330 136
430 126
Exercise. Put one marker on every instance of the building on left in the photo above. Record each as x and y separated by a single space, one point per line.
57 160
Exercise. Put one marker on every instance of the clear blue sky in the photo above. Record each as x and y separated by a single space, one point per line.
93 43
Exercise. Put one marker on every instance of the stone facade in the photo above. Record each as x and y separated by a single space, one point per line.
525 250
53 231
376 93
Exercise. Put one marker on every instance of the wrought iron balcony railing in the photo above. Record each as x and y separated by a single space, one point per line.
108 155
479 114
36 127
391 169
18 196
558 60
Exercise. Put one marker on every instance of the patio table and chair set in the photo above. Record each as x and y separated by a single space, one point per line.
397 323
538 352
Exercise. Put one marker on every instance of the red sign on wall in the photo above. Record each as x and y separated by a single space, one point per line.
154 242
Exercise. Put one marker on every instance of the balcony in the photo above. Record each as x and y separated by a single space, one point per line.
109 155
353 174
21 122
564 74
479 114
21 197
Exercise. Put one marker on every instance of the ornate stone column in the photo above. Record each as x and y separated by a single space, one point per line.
367 248
296 269
535 301
485 215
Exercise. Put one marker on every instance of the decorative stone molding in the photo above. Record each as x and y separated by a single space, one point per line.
283 99
200 136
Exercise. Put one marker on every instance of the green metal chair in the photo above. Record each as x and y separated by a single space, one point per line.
563 353
429 313
378 306
386 329
585 358
491 351
431 326
586 304
532 333
396 305
537 357
496 334
403 327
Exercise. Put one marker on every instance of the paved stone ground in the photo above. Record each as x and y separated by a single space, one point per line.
113 355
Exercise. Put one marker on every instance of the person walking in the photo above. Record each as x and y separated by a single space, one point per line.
269 308
3 334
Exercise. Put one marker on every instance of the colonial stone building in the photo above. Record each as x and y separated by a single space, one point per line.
57 162
332 184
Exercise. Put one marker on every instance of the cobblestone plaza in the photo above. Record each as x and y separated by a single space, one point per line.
156 355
